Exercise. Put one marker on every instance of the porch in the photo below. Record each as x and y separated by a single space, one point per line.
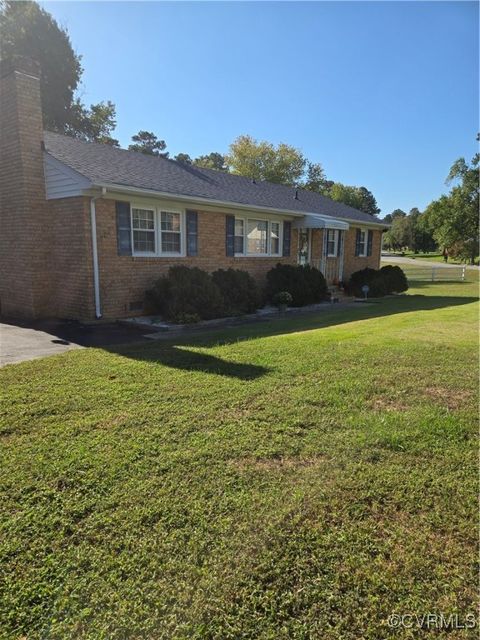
321 244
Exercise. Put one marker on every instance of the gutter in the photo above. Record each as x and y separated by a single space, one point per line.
96 275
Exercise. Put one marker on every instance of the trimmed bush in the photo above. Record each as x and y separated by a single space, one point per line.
186 292
282 299
239 291
395 278
304 283
382 282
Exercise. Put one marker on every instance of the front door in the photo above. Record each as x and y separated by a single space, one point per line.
303 246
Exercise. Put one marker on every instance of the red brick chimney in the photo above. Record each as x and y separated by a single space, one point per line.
24 224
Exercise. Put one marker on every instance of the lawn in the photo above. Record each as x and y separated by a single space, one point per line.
297 479
434 256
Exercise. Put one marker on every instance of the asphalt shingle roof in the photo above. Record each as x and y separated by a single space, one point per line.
101 163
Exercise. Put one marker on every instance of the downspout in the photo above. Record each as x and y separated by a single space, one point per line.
96 276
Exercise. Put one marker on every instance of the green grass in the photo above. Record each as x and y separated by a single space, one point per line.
297 479
433 256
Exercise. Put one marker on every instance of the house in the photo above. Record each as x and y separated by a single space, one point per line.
87 228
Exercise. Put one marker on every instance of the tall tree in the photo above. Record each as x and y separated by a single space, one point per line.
213 160
397 236
94 124
261 160
183 157
148 143
453 218
28 30
358 197
368 204
315 178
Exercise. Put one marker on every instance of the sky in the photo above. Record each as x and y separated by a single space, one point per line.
383 94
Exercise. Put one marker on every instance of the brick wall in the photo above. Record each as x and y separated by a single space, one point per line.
25 284
354 263
124 279
71 264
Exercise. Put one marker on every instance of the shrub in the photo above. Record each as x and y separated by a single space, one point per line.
186 292
305 284
382 282
187 318
395 278
239 291
282 298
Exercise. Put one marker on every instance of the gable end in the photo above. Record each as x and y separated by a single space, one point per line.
62 181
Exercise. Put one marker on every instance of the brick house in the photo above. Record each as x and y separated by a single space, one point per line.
87 228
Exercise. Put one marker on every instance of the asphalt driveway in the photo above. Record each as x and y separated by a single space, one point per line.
20 341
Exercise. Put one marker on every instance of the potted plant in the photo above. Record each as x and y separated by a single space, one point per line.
281 300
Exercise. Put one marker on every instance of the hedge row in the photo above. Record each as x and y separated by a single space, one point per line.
388 279
189 294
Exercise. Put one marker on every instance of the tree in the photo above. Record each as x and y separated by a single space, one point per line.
148 143
28 30
396 237
453 218
94 124
213 160
368 204
357 197
315 179
261 160
183 157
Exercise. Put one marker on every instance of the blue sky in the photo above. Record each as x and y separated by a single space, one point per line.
383 94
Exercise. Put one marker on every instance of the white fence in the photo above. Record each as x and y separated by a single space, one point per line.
435 274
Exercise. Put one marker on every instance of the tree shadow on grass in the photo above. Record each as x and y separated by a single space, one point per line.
179 357
172 351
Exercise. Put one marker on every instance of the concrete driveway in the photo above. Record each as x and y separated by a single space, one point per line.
20 341
24 343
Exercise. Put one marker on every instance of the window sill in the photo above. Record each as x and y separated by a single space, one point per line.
257 255
158 255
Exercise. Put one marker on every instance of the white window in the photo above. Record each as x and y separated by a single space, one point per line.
275 238
332 243
255 237
157 232
170 232
239 235
362 243
143 227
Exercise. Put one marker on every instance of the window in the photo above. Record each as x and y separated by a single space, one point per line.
332 243
239 235
275 238
157 232
257 236
143 226
170 232
362 243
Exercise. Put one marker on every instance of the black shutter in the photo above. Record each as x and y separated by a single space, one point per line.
357 242
192 233
339 243
230 235
287 236
369 243
124 232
